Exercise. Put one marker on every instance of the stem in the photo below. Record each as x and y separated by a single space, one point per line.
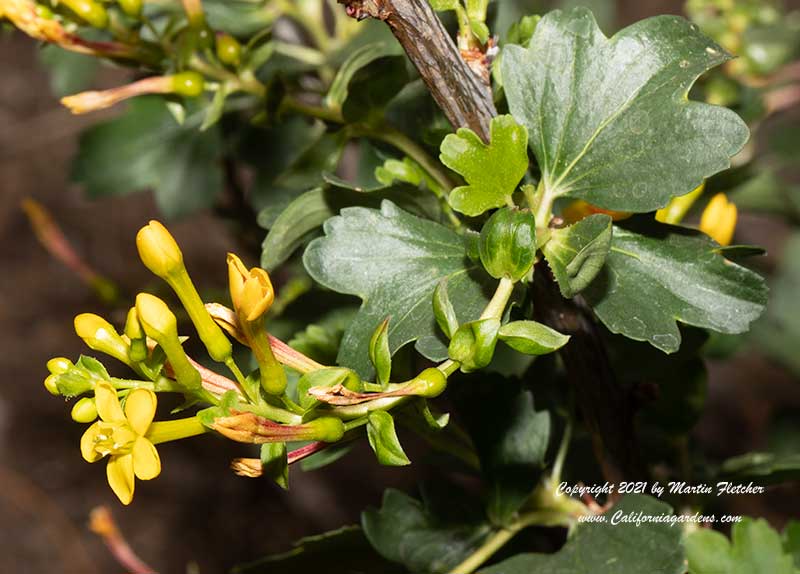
313 27
250 84
496 307
165 431
563 448
494 543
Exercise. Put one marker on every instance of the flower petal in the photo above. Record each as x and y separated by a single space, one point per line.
140 408
120 477
146 462
108 406
87 444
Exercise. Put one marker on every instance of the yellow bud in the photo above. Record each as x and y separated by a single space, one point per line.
138 339
251 291
155 317
719 219
51 386
84 411
159 323
58 365
158 250
101 336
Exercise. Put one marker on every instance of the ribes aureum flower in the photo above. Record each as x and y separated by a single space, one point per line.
120 435
719 219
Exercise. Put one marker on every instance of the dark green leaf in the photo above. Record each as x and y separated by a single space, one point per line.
577 253
383 439
342 551
609 119
761 467
650 282
373 86
755 548
531 338
359 58
393 261
145 148
605 548
70 72
274 463
320 340
791 540
405 531
492 171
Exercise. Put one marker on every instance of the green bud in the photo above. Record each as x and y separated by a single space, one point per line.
84 411
379 353
188 84
473 344
133 330
508 243
430 383
229 50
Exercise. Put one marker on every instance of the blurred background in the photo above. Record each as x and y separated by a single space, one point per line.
198 516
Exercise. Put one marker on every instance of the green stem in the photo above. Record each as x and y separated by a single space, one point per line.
314 27
563 448
247 84
494 543
497 305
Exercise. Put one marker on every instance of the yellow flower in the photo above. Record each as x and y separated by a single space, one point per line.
120 435
719 219
678 206
251 291
101 336
578 209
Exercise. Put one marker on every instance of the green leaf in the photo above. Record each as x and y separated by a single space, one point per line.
303 217
404 530
650 282
81 377
342 551
145 148
443 309
393 261
531 338
327 377
373 86
275 464
609 120
761 467
379 354
791 540
492 171
755 548
480 29
443 5
320 340
605 548
511 438
361 57
473 344
383 439
577 253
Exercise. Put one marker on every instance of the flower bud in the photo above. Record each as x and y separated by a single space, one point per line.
159 323
58 365
229 50
251 291
99 335
188 84
133 330
91 12
327 429
84 410
430 383
158 250
719 219
508 243
132 8
51 384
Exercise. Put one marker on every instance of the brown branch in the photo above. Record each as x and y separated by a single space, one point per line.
102 523
605 406
459 92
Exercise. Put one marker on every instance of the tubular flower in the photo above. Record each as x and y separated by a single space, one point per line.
91 101
100 335
675 210
252 296
121 435
719 219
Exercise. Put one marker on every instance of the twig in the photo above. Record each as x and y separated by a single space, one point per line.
458 91
102 523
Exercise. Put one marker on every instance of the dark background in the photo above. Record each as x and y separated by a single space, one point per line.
197 511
